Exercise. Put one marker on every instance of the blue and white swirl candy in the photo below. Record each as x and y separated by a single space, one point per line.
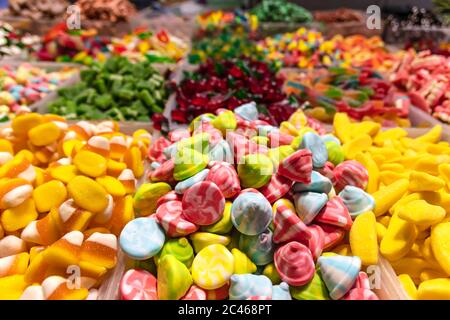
244 286
281 292
319 183
247 111
314 143
186 184
356 200
251 213
309 204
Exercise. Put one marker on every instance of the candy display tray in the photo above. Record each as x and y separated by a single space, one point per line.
41 104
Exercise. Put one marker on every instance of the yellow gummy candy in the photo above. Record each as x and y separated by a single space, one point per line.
112 185
421 181
386 197
405 200
435 289
381 231
390 134
49 195
427 164
432 136
420 212
411 266
389 177
90 163
359 144
408 285
133 160
341 124
19 217
44 134
399 238
365 127
440 243
429 274
363 238
64 173
444 172
88 194
366 160
24 123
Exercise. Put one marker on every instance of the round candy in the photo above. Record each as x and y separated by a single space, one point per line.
244 286
182 186
170 217
350 173
203 203
142 238
212 267
335 153
314 143
225 177
251 213
294 263
255 170
138 285
356 200
276 188
258 248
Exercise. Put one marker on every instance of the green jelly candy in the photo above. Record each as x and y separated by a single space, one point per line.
314 290
225 121
255 171
174 278
335 153
188 162
180 248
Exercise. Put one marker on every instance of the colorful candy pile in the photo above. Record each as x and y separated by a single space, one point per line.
156 47
239 209
426 79
361 93
38 9
228 84
281 11
117 89
309 49
212 22
409 179
14 43
339 15
106 10
25 84
82 46
65 195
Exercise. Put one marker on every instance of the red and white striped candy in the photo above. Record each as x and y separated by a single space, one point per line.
327 171
259 298
215 136
316 125
138 285
170 217
164 172
297 167
226 178
362 281
170 196
294 263
360 294
351 173
203 203
178 134
333 235
335 213
156 149
195 293
288 226
277 139
219 293
316 242
276 188
241 146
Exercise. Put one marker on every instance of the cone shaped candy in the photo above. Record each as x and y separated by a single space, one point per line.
242 264
294 263
297 167
309 204
319 184
174 278
356 200
244 286
335 213
281 292
288 226
258 248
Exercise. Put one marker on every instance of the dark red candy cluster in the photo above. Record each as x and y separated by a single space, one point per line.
229 84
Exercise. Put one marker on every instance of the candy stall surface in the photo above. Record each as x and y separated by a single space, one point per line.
408 178
228 84
81 46
362 93
66 193
25 85
143 44
426 79
238 209
116 89
310 49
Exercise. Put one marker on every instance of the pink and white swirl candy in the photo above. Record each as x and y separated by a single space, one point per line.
178 134
294 264
332 235
360 294
288 226
170 217
214 135
277 139
225 177
195 293
138 285
203 203
297 167
350 173
164 172
316 241
156 149
276 188
335 213
170 196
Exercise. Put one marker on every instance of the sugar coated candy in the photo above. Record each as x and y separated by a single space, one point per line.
174 278
356 200
255 170
244 286
314 143
251 213
319 184
294 263
350 173
169 215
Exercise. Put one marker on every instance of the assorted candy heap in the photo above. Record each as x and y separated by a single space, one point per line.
106 10
38 9
14 43
228 84
82 46
142 44
409 179
212 22
281 11
25 84
239 209
361 93
426 79
339 15
65 195
309 49
117 89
